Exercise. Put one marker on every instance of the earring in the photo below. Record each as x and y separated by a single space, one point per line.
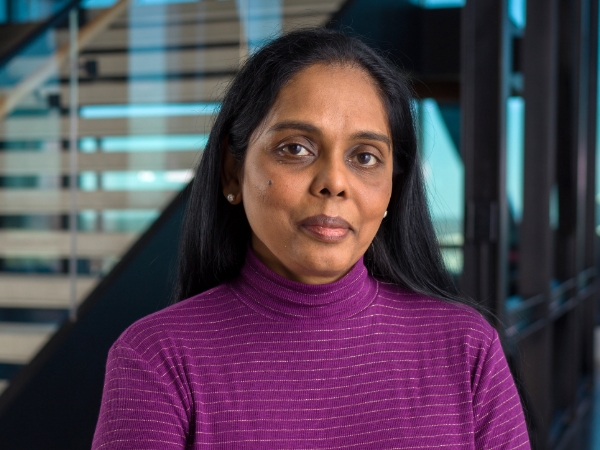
231 198
385 214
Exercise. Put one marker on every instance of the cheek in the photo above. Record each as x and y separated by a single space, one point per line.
264 188
373 204
376 199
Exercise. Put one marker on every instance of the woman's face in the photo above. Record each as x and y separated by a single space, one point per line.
317 177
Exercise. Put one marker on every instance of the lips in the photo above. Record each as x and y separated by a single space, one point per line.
326 228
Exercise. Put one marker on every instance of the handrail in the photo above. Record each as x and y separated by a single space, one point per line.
9 101
526 304
37 32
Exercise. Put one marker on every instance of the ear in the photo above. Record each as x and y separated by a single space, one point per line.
230 174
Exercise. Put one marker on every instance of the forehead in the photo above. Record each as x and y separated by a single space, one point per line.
332 95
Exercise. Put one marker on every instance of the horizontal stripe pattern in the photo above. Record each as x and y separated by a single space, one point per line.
264 362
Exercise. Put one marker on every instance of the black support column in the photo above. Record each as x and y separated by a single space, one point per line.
540 71
572 171
590 233
485 66
572 136
590 223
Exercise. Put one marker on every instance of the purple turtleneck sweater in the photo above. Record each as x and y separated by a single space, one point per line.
265 362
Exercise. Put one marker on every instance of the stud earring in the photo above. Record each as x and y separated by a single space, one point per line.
385 214
231 198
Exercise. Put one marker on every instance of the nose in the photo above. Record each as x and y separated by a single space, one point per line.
330 179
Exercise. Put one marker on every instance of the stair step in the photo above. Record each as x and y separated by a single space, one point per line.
51 162
36 291
152 91
174 34
204 11
52 127
163 35
20 342
57 244
98 92
161 62
30 201
192 25
149 13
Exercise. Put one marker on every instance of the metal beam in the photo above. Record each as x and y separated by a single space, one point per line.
536 266
485 64
590 233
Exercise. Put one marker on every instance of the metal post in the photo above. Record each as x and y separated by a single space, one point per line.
590 233
592 94
244 20
572 153
582 144
485 66
73 171
540 67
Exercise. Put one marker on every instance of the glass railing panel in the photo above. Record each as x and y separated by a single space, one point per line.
515 173
515 141
517 12
19 11
438 3
34 57
515 133
444 177
31 133
260 20
33 223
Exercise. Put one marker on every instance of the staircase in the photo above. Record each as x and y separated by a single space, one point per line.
149 83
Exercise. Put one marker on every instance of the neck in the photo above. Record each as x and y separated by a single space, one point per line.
281 298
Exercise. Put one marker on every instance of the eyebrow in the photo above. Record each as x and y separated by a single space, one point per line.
294 125
371 136
307 127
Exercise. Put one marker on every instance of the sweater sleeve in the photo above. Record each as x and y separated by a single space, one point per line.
139 408
499 420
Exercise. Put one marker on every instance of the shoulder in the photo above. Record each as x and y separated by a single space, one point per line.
450 319
178 321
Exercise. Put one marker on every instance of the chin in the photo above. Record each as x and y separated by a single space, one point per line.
325 263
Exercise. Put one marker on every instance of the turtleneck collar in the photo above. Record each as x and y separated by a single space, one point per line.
281 299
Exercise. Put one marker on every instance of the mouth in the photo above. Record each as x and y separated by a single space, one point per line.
326 228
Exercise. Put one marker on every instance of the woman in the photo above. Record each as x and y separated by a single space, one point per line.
317 312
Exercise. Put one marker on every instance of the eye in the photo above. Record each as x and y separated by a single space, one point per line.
365 159
296 150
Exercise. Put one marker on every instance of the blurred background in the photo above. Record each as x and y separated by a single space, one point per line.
105 107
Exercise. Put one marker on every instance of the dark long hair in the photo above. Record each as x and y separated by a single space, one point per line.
216 234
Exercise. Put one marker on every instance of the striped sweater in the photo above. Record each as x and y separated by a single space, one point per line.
265 362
